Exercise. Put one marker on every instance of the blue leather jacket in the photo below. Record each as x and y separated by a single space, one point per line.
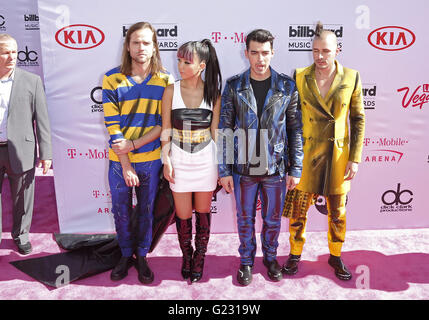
281 127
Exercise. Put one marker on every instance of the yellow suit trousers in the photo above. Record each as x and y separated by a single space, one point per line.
296 207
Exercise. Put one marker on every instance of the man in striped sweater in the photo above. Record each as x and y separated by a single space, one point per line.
132 96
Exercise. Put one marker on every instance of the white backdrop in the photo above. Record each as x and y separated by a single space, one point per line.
20 19
385 40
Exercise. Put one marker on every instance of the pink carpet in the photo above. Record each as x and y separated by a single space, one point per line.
386 264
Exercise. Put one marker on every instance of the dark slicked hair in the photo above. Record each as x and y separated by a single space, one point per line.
261 36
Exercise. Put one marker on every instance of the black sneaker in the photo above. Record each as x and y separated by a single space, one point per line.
146 275
120 271
274 270
244 275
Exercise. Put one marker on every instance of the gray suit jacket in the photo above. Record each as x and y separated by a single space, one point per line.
27 118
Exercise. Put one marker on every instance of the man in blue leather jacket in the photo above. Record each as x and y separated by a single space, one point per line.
259 142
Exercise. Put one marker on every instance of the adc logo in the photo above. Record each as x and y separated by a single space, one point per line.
2 23
391 38
301 36
397 200
322 206
415 99
96 97
27 58
167 34
79 37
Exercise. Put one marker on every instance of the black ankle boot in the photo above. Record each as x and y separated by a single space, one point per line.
202 236
184 233
145 275
120 271
291 266
340 269
274 270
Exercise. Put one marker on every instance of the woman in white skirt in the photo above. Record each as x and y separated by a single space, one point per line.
190 117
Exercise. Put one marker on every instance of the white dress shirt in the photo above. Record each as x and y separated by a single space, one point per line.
5 90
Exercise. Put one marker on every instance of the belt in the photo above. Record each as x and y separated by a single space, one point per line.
192 136
3 144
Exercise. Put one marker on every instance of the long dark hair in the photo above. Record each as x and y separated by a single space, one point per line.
207 53
126 61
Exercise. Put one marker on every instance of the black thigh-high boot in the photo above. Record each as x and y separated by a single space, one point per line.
202 236
184 233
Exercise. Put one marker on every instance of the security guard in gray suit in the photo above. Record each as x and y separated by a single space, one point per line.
23 117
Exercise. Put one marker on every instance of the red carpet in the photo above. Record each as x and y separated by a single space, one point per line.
386 264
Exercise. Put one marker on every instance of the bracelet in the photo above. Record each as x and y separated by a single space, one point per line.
133 145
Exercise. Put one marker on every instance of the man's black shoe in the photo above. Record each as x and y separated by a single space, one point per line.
120 271
244 275
24 248
274 270
146 275
341 270
291 266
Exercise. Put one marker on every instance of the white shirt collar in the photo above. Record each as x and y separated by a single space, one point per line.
12 76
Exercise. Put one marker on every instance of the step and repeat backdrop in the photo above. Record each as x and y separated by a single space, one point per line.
71 44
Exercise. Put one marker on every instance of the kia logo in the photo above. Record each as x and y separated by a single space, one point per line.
391 38
79 36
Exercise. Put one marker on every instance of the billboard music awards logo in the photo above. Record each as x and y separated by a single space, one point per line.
2 23
391 38
96 97
31 22
385 149
167 34
415 98
301 36
397 200
369 92
27 58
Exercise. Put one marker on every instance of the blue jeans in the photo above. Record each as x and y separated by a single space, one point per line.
272 191
148 174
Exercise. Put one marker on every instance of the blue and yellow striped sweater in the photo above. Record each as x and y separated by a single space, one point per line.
132 109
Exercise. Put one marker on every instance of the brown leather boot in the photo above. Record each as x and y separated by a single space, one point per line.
202 236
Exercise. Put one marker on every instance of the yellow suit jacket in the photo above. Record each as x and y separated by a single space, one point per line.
328 145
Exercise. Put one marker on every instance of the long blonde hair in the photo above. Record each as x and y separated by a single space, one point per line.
126 61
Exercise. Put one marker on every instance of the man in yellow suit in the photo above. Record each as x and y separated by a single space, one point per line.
330 94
